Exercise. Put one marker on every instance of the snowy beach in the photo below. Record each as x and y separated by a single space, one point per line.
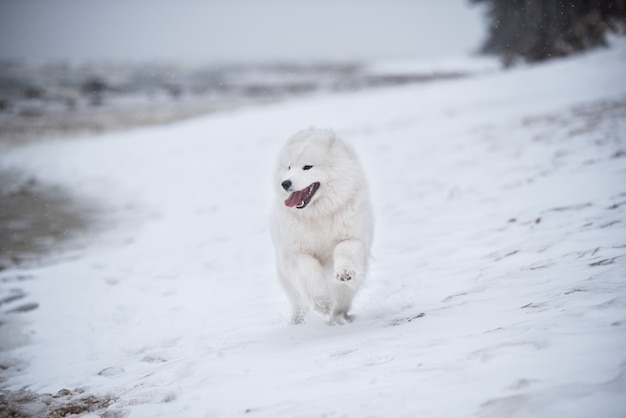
498 282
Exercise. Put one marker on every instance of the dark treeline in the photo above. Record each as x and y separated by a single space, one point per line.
536 30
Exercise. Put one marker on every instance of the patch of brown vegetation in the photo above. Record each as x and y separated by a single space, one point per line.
65 403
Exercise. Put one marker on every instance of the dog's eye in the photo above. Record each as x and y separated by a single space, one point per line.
289 168
307 167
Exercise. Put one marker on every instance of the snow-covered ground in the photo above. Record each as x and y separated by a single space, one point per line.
498 285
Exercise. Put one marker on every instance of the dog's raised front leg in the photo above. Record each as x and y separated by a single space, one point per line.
349 267
349 261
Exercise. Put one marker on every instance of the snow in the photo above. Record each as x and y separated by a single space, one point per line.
497 285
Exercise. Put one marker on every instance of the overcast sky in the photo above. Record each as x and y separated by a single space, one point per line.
237 30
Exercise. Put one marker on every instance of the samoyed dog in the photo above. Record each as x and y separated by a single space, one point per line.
322 225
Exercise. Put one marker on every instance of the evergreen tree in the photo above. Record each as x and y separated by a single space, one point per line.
536 30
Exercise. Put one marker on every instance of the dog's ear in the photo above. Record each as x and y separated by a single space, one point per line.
331 138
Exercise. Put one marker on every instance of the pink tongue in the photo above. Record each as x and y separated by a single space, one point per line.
295 198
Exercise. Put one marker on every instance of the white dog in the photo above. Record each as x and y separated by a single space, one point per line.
322 224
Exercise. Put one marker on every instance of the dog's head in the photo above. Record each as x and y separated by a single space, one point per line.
317 172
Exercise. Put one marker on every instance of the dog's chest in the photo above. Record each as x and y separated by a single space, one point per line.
319 237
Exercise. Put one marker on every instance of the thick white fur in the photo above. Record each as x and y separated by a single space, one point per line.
323 249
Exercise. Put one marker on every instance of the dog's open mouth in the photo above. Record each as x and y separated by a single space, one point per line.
301 198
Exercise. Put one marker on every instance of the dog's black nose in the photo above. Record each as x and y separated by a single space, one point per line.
286 184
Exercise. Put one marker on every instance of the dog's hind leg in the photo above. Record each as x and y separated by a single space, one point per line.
342 302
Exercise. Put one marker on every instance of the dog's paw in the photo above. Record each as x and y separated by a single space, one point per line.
345 275
297 316
321 305
340 318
